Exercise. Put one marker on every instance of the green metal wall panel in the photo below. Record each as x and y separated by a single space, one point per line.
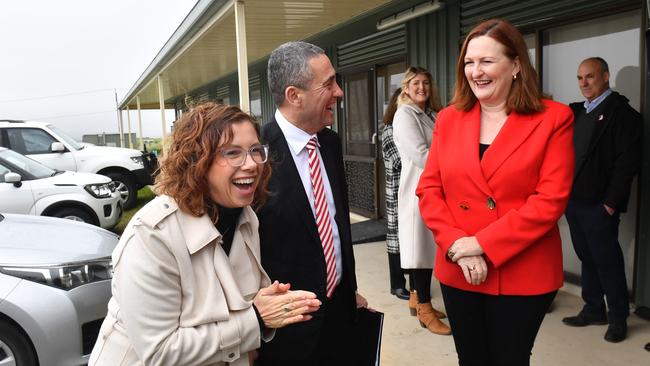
530 13
433 43
368 50
642 266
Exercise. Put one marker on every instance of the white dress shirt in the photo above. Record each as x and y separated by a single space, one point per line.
297 140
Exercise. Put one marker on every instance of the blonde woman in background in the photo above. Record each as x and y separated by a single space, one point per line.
412 130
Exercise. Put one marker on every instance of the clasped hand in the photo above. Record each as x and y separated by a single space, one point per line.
468 254
278 306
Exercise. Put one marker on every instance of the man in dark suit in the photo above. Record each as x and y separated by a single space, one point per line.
608 150
306 241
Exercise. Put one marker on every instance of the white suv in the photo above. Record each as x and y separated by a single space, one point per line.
28 187
130 169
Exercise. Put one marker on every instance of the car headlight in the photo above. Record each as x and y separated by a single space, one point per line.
138 160
103 190
64 276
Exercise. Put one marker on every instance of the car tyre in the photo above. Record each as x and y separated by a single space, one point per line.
74 214
126 187
15 348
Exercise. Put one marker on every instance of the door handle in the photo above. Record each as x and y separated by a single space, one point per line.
373 139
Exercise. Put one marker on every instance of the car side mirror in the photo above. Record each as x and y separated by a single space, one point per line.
57 147
14 178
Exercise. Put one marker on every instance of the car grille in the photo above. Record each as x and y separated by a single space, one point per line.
89 333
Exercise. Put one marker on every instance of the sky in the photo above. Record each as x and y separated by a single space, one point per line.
62 61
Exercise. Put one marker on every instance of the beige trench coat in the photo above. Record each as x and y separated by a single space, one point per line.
412 132
178 299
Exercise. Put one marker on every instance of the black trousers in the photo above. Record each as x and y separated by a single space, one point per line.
422 283
594 233
491 330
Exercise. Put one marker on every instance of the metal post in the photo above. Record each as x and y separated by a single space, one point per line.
161 98
128 123
119 120
137 102
242 55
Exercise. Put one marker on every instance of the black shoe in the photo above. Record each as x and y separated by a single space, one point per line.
584 319
647 347
616 332
401 293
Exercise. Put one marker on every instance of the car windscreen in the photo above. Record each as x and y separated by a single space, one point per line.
19 161
69 140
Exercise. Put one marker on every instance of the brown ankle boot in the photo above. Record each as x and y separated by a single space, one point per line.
413 302
439 314
428 320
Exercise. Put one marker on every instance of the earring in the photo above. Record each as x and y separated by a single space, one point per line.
514 77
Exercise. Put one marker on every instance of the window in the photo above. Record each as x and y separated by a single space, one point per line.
30 140
256 102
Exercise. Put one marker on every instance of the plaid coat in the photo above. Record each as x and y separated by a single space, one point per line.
393 166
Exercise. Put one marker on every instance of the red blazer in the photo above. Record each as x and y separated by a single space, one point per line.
510 200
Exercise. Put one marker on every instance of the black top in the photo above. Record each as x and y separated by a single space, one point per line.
481 150
227 224
585 124
613 154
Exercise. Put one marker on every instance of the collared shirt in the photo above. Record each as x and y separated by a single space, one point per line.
590 106
297 140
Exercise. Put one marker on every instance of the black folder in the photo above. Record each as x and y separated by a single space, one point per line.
367 337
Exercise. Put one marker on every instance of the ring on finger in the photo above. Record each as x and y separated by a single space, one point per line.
286 308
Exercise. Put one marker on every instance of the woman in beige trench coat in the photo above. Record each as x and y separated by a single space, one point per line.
412 131
188 287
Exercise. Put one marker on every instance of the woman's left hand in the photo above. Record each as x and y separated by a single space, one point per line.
466 246
474 269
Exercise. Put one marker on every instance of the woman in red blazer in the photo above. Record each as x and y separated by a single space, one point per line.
497 180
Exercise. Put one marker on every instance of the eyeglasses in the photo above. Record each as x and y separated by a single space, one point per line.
236 156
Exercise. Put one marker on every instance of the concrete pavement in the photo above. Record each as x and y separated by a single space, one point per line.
406 343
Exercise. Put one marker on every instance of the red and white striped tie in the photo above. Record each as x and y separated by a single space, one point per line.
323 216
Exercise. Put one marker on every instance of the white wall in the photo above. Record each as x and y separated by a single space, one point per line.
615 38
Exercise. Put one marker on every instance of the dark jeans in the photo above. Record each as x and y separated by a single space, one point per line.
594 233
422 283
491 330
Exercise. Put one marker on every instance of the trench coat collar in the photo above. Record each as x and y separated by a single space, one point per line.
514 132
200 231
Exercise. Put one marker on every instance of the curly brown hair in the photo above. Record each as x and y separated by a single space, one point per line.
197 136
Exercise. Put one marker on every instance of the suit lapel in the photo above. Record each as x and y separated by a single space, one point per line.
289 179
513 133
469 129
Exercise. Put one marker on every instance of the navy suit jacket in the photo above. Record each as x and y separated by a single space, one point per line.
291 249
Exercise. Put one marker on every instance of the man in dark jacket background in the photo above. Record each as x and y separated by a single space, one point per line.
607 139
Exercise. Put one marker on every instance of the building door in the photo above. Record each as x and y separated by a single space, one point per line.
367 90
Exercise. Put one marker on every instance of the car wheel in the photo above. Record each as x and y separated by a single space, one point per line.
126 187
74 214
15 347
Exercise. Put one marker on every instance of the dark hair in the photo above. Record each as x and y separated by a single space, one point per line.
525 96
392 107
289 66
604 67
409 74
197 136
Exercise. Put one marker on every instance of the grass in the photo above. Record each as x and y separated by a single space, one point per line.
144 195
